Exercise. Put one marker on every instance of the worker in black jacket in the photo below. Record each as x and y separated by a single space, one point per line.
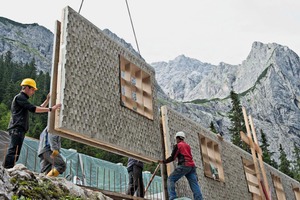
135 173
19 121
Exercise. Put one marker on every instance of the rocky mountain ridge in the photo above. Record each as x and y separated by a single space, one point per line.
27 42
268 82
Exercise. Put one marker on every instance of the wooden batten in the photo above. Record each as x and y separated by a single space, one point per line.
259 154
253 153
53 85
167 139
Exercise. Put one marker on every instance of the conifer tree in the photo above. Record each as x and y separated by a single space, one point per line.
12 73
296 169
4 116
285 165
237 121
212 127
267 155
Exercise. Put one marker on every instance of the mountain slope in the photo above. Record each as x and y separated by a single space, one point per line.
269 84
27 42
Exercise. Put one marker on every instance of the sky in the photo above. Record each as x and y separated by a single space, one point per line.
211 31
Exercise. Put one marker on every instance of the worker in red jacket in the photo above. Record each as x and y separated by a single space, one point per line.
186 167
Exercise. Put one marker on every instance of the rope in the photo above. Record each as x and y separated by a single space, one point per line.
80 6
132 27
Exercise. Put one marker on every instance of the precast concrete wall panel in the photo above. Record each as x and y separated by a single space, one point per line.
235 184
88 86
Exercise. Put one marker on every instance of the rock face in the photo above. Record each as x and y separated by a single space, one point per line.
268 82
27 42
20 183
180 76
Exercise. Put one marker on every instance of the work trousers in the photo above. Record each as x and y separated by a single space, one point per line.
190 174
135 181
47 163
15 146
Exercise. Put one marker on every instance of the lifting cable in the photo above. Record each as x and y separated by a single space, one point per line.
137 45
80 6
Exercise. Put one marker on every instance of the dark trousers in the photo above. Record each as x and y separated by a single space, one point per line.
47 163
135 181
15 146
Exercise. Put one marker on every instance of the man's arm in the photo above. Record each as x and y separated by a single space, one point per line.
172 157
40 109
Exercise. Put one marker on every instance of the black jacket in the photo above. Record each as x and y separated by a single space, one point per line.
19 112
132 162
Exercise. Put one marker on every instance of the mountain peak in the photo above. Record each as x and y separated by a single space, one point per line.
180 57
14 23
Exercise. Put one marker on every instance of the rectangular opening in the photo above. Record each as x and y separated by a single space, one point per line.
211 158
136 89
252 180
297 193
278 187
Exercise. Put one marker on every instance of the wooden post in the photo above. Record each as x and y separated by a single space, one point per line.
167 139
91 174
261 163
104 179
26 157
15 160
97 175
4 155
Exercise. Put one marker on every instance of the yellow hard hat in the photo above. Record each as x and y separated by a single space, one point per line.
29 82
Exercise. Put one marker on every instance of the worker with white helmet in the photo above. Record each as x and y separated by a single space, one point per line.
186 167
19 121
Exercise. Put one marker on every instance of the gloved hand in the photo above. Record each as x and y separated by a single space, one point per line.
161 161
54 153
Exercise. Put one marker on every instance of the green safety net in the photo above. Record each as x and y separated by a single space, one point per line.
89 171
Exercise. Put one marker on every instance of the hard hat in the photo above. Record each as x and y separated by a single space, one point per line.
180 134
29 82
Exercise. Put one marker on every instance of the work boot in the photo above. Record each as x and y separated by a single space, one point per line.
53 173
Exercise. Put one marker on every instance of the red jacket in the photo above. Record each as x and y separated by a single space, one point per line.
181 151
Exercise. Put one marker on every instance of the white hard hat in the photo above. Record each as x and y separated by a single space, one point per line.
180 134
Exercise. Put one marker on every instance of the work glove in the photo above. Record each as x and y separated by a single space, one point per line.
54 153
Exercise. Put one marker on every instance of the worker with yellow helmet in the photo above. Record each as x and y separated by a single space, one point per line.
19 121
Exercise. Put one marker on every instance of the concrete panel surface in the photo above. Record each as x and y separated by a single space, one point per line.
86 80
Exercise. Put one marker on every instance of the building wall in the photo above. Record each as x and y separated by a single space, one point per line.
235 185
88 86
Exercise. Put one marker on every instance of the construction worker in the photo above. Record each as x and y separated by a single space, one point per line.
51 162
19 121
135 173
186 167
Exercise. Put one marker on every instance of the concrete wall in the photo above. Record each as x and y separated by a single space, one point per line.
235 185
88 86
